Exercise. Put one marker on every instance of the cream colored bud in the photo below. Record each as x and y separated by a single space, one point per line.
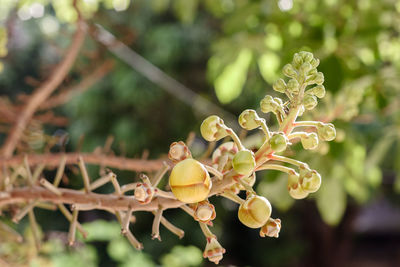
204 211
213 128
310 102
326 131
314 62
309 140
255 211
223 155
311 181
143 193
294 187
307 56
268 104
249 119
190 181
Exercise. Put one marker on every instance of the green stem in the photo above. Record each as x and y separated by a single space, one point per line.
277 168
287 160
306 124
296 135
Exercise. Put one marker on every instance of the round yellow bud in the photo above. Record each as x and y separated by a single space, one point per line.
255 211
309 140
294 187
190 181
311 181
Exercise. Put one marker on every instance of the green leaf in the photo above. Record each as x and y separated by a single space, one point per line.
181 256
269 66
102 230
185 10
331 200
229 85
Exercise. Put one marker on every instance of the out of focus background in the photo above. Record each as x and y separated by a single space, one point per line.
185 60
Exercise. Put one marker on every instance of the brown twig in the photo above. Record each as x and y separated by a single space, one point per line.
44 91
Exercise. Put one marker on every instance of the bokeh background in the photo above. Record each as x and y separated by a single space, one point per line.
228 52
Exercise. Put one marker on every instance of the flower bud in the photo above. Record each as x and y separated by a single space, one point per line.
204 212
307 56
297 60
249 119
310 181
317 78
294 187
255 211
190 181
279 86
309 140
314 62
224 155
326 131
318 91
278 142
310 102
293 86
178 151
213 251
268 104
305 67
213 128
271 228
244 162
143 193
289 71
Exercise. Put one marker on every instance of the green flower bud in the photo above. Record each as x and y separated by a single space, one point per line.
310 102
293 86
289 71
278 142
279 86
314 62
268 104
244 162
213 128
278 101
326 131
318 91
294 187
307 56
309 141
249 119
311 181
305 67
297 60
317 78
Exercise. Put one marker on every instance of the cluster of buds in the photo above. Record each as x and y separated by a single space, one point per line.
234 166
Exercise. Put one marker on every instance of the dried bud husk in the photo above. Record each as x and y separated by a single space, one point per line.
213 128
326 131
255 211
294 187
178 151
293 86
278 142
190 181
204 211
271 228
279 86
249 119
144 193
244 162
310 102
309 140
213 251
289 71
